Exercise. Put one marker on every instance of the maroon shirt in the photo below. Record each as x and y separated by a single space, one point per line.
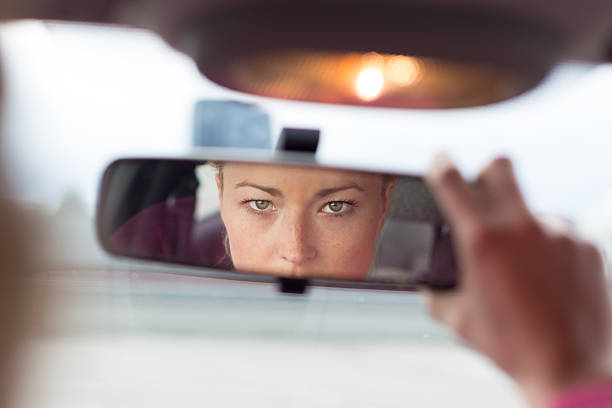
166 231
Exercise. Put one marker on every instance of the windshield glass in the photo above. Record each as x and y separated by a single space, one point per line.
127 333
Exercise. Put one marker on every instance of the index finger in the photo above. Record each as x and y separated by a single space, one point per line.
451 191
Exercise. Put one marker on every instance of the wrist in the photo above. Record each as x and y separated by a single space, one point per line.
593 395
562 391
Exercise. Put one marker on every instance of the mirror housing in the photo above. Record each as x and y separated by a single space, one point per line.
391 55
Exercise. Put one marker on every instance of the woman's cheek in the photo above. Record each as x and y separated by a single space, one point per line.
348 251
247 242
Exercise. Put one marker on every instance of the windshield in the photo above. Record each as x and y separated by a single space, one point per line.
127 333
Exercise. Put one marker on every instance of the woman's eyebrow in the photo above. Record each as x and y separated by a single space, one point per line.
270 190
328 191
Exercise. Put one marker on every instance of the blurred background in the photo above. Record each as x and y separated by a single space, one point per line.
125 333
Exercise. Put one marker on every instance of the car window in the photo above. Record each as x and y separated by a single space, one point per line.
126 333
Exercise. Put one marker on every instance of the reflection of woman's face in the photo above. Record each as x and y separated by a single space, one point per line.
302 222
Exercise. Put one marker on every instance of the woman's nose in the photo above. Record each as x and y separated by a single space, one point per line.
295 245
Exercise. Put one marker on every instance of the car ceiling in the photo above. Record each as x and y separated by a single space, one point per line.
587 24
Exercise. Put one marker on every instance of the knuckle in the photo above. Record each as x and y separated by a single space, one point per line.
497 165
590 249
527 225
484 236
501 163
566 242
483 239
449 176
480 234
592 253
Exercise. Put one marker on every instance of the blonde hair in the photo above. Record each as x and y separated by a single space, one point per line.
218 165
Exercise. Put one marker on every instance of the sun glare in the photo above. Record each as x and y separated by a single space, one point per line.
403 71
369 83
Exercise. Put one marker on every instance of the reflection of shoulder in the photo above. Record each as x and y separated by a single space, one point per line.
208 242
209 232
167 231
156 230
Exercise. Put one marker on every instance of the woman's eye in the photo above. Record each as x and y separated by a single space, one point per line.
260 205
335 207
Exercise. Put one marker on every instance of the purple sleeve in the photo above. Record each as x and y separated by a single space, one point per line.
166 231
592 396
160 231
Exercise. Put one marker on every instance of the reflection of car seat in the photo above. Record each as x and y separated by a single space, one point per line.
423 252
414 238
166 232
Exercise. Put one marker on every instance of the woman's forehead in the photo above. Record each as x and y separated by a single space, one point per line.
277 175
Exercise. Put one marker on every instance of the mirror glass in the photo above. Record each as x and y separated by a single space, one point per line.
290 221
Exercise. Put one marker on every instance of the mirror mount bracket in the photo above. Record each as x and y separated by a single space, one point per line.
305 141
298 140
293 286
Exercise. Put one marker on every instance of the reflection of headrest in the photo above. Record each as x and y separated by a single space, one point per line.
421 252
146 183
411 200
167 231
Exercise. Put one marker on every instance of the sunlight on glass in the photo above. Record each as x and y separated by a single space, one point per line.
403 71
369 83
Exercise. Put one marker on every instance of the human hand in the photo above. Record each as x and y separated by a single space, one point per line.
531 297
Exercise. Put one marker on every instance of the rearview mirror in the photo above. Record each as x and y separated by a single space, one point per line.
330 226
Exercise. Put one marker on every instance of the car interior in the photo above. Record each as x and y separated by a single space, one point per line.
122 120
